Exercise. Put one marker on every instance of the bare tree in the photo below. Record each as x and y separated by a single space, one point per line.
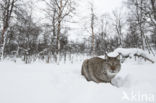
92 25
89 27
138 8
153 6
118 25
6 7
140 20
59 11
104 40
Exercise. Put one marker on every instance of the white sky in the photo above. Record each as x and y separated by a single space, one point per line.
101 7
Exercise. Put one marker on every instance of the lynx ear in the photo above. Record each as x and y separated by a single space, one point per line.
118 57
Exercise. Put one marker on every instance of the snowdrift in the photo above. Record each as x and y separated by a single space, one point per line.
131 53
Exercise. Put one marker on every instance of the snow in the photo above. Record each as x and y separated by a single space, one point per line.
131 52
50 83
128 51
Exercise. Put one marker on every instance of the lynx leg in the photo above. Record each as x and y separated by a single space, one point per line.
92 77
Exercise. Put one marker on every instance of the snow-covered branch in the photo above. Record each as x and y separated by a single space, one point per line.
131 52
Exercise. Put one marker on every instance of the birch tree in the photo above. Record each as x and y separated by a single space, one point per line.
92 24
6 9
118 25
137 8
60 10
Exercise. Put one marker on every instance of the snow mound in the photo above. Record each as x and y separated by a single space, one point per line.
131 52
127 52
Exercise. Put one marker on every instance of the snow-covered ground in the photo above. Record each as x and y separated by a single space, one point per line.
51 83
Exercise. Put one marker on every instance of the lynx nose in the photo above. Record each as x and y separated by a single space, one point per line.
113 67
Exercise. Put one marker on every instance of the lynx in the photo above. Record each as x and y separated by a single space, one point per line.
101 70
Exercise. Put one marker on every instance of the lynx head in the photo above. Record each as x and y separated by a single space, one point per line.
113 64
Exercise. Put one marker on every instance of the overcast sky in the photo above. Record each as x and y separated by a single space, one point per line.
82 10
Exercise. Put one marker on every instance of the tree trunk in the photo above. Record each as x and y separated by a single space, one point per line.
92 31
58 42
2 37
93 41
153 8
4 43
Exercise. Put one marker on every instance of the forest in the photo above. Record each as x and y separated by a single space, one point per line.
23 37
